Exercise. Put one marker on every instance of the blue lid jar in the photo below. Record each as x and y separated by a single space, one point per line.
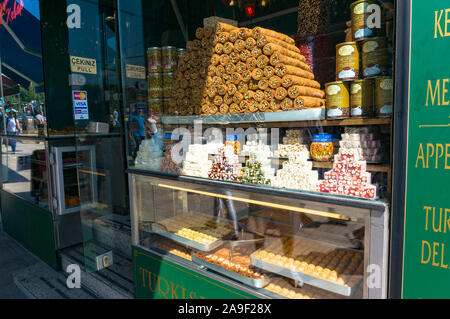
322 138
232 137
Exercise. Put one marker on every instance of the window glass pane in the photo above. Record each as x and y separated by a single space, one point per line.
265 130
24 170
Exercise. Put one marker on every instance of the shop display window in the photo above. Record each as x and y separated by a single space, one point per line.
298 102
265 108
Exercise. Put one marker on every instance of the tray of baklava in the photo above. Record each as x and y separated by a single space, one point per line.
329 267
234 264
197 232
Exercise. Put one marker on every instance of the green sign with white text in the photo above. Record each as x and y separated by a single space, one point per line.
158 278
426 267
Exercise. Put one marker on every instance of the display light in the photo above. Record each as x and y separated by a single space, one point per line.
250 10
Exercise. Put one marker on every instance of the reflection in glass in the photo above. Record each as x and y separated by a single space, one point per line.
25 171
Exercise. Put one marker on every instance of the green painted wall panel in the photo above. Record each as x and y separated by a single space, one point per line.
426 268
31 226
156 278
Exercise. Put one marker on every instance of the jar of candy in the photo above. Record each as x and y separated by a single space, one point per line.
322 148
233 140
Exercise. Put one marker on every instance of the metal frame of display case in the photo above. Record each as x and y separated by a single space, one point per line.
58 167
374 213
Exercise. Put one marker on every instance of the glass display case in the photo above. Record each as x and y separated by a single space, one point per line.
67 162
263 155
274 243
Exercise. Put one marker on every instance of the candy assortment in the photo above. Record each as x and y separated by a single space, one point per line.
293 137
197 161
349 175
149 156
252 173
226 165
297 173
168 165
369 141
262 154
287 150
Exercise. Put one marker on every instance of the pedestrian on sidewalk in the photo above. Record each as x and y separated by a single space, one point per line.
13 128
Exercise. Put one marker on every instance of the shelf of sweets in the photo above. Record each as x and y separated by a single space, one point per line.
318 264
262 117
289 118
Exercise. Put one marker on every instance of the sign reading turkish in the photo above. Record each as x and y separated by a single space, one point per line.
159 278
10 10
83 65
426 267
80 105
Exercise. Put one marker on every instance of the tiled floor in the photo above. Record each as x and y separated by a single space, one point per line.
12 259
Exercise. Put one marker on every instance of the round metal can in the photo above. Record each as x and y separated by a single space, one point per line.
384 96
375 57
154 60
338 100
360 13
167 80
156 93
169 59
347 61
155 81
180 55
361 98
155 105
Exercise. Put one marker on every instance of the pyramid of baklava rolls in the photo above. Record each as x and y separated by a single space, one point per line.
239 70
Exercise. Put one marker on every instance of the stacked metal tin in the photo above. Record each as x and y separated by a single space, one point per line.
161 65
364 85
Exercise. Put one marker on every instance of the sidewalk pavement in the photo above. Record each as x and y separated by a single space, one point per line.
12 258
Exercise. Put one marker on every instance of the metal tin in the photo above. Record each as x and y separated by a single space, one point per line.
180 55
347 61
156 105
360 14
384 96
154 60
361 98
375 57
156 93
167 80
338 100
169 59
154 81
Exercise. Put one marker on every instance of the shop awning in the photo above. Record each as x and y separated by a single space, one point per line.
9 86
20 42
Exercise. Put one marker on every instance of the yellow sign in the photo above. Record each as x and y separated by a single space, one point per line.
83 65
135 72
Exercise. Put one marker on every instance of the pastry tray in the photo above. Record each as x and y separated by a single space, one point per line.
252 282
307 279
185 241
